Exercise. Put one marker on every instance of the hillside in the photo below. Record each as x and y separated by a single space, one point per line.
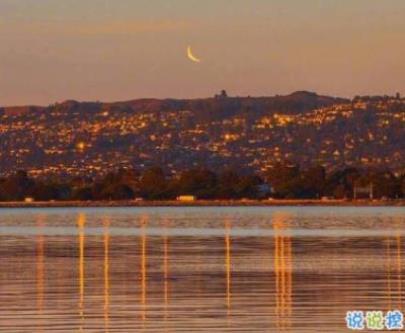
244 132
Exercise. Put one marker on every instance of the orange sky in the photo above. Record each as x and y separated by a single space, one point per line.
117 50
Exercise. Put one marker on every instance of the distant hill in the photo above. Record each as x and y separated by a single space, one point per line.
296 102
244 132
20 110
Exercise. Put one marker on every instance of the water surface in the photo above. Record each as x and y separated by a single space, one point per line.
267 269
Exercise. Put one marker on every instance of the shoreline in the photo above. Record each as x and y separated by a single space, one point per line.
205 203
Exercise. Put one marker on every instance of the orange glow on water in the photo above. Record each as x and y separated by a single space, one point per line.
283 272
166 271
399 272
40 268
228 268
106 275
80 223
143 270
394 272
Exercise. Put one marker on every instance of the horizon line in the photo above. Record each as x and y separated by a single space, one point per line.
190 98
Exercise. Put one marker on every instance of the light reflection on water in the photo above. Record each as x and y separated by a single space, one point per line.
283 273
147 270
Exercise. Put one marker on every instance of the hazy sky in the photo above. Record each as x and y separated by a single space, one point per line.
53 50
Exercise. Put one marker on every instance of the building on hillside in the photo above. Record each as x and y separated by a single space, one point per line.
363 192
186 198
264 190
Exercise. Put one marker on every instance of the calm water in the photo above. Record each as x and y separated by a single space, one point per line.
197 269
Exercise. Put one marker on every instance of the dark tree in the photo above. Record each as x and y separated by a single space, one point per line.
228 185
340 183
282 178
199 182
153 184
16 187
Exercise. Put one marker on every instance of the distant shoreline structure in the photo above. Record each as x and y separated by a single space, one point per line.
205 203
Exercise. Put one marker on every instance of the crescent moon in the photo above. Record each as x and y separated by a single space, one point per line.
191 56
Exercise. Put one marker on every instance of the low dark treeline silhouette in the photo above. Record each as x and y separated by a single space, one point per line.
282 181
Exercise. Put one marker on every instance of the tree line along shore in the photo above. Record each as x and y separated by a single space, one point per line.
200 185
205 203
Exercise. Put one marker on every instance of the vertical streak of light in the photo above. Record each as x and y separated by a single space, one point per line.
166 273
399 272
40 268
228 270
283 273
106 276
143 271
80 223
288 275
143 277
277 274
389 274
